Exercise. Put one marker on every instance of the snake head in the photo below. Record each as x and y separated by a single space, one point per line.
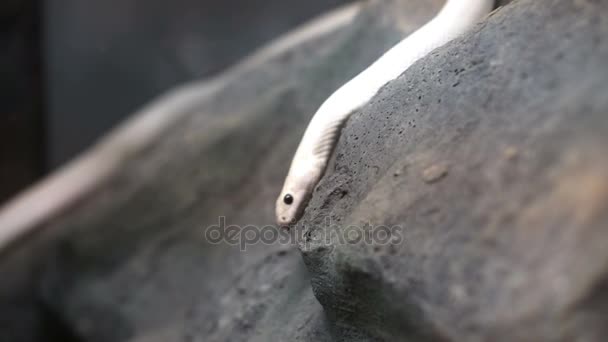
294 198
290 206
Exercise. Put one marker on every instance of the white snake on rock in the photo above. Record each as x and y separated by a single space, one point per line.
323 131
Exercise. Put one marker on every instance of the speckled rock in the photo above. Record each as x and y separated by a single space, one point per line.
489 154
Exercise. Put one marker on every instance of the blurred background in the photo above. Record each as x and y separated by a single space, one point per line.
70 70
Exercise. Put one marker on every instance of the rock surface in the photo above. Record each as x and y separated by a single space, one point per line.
502 194
486 159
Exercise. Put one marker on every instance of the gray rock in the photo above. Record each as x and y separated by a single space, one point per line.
485 161
509 245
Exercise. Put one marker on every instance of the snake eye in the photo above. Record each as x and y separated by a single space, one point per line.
288 199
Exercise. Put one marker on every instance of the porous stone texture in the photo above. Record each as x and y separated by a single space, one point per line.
486 159
490 156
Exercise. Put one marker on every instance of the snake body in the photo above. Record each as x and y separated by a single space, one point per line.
321 135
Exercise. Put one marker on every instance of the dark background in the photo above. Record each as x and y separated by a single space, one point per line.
72 69
22 133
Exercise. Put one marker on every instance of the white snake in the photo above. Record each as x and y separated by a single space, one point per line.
314 151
